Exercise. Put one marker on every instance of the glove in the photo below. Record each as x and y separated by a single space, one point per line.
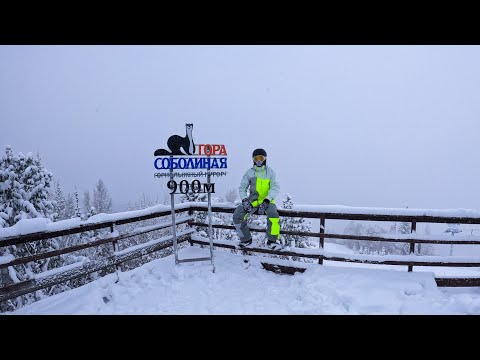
247 206
263 206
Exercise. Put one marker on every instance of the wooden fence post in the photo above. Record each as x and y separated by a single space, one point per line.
412 244
322 240
115 248
190 213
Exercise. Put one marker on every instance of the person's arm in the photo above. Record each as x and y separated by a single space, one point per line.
242 189
274 186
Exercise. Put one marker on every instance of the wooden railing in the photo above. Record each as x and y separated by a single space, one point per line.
116 258
409 261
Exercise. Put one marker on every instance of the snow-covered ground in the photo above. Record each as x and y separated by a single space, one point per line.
236 287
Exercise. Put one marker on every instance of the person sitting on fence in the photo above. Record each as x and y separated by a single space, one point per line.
262 184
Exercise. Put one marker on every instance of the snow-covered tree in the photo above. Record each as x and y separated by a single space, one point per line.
191 196
202 216
404 228
38 182
296 224
78 212
60 203
70 207
231 195
354 228
143 202
24 188
69 213
453 229
100 203
10 188
393 228
101 198
25 193
92 212
87 203
199 216
428 230
376 247
101 251
426 249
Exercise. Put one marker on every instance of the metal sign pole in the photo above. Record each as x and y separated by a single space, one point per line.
177 260
210 233
174 227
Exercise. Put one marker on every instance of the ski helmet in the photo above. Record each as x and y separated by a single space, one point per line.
261 152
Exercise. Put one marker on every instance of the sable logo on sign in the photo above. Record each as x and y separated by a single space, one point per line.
205 159
176 142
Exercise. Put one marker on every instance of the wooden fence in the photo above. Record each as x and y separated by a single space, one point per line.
116 258
408 260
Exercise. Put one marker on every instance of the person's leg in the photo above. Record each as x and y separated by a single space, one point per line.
240 222
273 223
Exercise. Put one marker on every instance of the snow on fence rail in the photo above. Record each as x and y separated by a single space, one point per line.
40 229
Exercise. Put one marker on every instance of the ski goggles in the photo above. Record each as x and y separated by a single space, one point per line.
259 158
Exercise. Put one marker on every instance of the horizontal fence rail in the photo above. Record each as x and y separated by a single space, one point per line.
313 214
469 241
21 239
363 259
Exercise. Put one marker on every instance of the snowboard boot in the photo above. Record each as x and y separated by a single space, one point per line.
274 245
244 244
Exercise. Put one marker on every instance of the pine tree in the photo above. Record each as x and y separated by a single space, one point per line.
80 238
404 228
101 198
231 195
142 203
228 234
37 185
202 216
453 229
295 224
100 251
10 188
199 216
70 207
25 193
393 228
25 189
87 204
258 238
78 212
402 248
353 228
426 249
60 203
376 247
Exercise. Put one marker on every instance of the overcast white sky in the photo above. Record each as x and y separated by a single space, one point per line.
379 126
